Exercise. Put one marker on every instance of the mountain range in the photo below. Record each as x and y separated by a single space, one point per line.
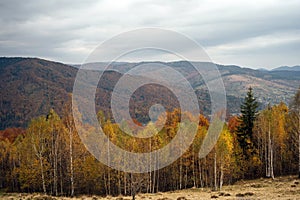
31 86
287 68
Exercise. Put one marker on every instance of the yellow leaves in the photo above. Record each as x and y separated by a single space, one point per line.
224 145
256 161
91 175
273 120
248 141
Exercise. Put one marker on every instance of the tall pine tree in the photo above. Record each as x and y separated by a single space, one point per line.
245 129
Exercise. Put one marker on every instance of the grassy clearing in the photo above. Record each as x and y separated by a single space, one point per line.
287 187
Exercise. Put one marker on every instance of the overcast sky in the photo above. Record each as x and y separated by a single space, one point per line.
256 34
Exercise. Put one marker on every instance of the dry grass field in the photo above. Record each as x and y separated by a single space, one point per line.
287 187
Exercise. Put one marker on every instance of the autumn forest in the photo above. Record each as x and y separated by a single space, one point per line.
48 156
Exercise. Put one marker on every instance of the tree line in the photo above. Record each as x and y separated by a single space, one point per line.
49 157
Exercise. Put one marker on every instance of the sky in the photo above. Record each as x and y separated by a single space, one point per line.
254 34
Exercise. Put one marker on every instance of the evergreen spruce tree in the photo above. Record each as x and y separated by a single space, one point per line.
245 129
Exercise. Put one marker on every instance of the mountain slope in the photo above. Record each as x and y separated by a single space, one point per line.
269 86
29 87
287 68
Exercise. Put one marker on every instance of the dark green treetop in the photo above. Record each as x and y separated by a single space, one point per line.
247 118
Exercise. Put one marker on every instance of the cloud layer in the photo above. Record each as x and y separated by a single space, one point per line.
248 33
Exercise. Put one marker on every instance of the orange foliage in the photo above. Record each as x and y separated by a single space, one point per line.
11 134
233 123
203 121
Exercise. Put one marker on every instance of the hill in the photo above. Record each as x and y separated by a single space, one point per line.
269 86
31 86
287 68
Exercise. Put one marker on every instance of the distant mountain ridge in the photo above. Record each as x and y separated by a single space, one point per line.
287 68
29 87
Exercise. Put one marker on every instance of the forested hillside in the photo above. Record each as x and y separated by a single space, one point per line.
50 158
30 87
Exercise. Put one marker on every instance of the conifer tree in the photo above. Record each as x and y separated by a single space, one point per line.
245 129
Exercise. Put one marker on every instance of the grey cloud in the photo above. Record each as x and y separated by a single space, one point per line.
68 30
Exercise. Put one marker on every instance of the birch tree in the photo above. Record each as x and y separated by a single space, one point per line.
295 119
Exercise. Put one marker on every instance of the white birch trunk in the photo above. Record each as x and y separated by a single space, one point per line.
215 172
71 162
269 153
221 176
43 177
